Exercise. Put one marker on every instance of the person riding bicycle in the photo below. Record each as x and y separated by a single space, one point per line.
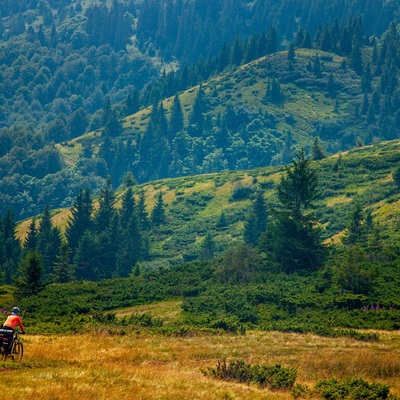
9 327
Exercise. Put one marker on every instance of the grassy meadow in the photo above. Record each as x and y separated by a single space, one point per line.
140 365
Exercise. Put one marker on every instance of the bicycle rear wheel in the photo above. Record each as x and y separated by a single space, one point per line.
17 351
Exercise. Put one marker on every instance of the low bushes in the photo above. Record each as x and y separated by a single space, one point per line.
271 376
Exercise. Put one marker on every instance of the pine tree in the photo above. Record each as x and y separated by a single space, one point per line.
87 257
355 232
356 61
10 246
63 269
256 222
142 212
49 242
105 212
132 247
294 238
207 248
127 208
31 240
317 152
80 219
29 280
158 213
176 121
272 41
132 102
237 51
196 117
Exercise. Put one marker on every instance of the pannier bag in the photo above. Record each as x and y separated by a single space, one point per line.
5 338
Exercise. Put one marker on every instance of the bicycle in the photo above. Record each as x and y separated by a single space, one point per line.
17 349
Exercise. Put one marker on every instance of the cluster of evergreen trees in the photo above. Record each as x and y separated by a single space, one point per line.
99 243
189 30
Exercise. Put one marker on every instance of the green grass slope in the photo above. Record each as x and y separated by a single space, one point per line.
194 204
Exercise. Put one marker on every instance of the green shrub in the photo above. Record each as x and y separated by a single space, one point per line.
299 391
242 191
271 376
354 389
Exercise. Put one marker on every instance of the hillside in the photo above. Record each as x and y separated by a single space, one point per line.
92 101
194 204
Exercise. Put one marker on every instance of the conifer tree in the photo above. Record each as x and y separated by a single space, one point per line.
105 212
10 246
356 61
63 269
256 221
207 248
176 121
294 238
49 242
237 51
31 240
355 232
87 257
158 213
196 117
29 279
80 219
272 41
317 152
132 248
142 212
127 208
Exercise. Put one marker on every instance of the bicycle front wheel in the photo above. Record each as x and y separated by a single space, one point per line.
17 351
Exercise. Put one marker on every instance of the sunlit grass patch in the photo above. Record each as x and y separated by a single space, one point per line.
144 366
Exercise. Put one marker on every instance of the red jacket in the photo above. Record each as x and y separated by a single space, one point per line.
12 321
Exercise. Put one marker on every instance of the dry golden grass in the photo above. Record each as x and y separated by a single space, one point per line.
146 367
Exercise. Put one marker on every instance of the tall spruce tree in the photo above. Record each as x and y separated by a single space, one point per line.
295 239
29 280
63 269
31 239
176 120
158 213
49 242
80 219
256 222
10 246
142 212
207 248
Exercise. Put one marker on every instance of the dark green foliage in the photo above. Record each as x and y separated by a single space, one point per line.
48 242
274 377
29 281
294 239
317 152
352 389
80 219
256 222
158 215
63 269
207 248
242 191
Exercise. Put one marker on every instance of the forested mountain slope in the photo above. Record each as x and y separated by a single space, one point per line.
199 217
89 90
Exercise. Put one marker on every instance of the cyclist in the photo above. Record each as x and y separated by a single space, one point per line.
9 326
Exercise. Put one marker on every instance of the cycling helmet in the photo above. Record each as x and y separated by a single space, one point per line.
15 311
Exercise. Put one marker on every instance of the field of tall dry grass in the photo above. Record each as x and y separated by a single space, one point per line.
148 367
